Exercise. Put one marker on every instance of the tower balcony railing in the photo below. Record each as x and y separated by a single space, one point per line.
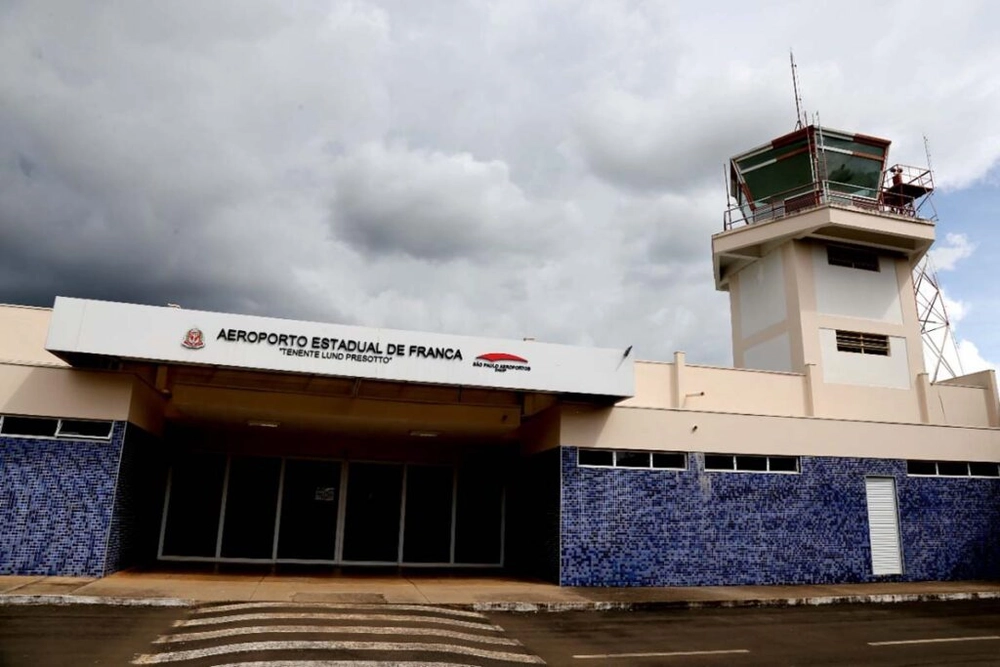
822 193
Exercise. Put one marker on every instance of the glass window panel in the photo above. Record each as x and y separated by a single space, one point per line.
310 499
251 506
32 426
374 497
427 532
783 463
718 462
595 457
195 499
921 468
854 258
953 468
675 460
69 428
984 469
752 463
863 176
780 179
632 459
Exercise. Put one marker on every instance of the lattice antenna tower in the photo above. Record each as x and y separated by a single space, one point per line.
940 346
800 116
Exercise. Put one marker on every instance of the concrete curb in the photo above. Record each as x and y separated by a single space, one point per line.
66 600
654 605
543 607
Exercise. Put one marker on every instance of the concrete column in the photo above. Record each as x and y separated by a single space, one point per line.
924 397
677 380
810 383
993 400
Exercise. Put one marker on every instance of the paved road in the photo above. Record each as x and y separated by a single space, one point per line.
362 635
937 633
264 634
78 634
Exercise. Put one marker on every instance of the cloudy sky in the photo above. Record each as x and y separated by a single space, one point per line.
511 168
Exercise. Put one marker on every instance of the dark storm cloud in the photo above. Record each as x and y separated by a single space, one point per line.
496 168
433 206
60 242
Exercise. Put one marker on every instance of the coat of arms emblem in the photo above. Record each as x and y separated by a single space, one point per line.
193 339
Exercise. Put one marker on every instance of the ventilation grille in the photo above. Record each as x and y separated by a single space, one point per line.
862 343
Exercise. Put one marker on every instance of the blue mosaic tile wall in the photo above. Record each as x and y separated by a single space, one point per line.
135 522
624 527
950 528
56 500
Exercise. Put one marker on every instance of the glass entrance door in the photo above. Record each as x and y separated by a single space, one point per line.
310 500
373 512
227 508
250 509
429 509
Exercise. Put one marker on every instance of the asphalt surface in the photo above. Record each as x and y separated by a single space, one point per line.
935 633
266 634
78 634
960 633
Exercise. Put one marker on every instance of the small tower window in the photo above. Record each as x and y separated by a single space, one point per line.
853 258
862 343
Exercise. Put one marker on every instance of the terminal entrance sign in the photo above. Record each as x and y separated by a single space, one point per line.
173 335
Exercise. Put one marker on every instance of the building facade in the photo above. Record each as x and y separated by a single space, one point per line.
136 434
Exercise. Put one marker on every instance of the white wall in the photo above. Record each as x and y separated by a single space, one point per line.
872 295
864 369
762 294
774 354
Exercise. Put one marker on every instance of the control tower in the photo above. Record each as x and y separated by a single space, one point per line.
817 254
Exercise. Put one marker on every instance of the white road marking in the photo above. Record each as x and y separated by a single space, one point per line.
335 605
235 618
340 663
609 656
936 641
250 647
334 629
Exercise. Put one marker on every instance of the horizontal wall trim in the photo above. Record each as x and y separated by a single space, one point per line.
807 417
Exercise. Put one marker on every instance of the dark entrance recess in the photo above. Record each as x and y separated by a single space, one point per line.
374 501
334 512
310 500
192 527
429 491
251 505
479 516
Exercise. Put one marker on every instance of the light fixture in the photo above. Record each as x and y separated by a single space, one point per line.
424 434
263 424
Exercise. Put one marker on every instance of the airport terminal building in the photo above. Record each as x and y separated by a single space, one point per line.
134 434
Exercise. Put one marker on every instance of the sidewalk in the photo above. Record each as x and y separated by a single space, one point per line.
475 592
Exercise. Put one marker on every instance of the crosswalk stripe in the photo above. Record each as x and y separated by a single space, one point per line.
237 606
248 647
236 618
334 629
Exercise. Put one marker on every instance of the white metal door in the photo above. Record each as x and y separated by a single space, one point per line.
883 525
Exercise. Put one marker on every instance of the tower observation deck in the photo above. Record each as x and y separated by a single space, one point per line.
822 185
815 166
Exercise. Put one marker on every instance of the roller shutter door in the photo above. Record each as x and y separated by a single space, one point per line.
883 525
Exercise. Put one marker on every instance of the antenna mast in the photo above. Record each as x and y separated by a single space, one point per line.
795 87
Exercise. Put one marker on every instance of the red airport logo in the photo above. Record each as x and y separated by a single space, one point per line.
501 362
194 339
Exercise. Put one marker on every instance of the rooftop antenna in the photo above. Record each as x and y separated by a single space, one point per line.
799 115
